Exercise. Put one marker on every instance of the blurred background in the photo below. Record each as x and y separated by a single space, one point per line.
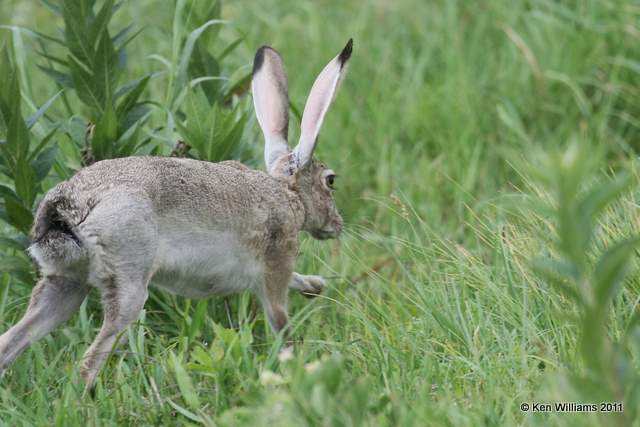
446 125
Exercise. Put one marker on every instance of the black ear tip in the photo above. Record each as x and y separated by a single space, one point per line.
346 53
260 54
258 60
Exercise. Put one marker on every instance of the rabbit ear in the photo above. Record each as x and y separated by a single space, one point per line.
322 94
269 87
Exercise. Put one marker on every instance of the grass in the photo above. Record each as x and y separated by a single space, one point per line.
434 314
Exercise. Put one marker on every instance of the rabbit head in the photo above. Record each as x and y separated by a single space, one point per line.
312 179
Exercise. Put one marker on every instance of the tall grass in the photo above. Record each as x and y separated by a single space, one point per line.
471 277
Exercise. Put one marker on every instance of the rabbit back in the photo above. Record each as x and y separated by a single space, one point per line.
208 223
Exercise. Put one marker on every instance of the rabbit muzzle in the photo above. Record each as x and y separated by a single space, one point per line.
330 230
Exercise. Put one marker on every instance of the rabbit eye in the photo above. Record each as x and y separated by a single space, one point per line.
329 180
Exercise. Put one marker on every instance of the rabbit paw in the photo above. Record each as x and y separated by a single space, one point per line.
309 286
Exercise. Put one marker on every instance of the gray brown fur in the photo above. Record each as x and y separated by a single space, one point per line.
194 228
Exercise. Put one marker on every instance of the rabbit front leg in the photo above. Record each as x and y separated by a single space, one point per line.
275 298
278 272
307 285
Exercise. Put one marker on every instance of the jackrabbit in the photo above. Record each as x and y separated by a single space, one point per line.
194 228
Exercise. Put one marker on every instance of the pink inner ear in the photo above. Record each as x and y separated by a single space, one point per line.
318 103
275 100
269 86
320 97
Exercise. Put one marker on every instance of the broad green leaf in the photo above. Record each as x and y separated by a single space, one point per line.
232 46
198 319
25 182
105 134
106 68
8 194
90 93
185 385
187 50
99 25
125 89
185 412
634 322
200 125
129 143
34 118
53 59
4 170
561 275
612 267
59 77
202 361
202 63
75 128
43 143
17 133
227 136
8 159
241 86
131 98
93 61
52 7
138 114
14 264
78 18
593 332
52 39
120 46
234 136
3 212
121 35
43 163
197 12
17 215
6 242
594 202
